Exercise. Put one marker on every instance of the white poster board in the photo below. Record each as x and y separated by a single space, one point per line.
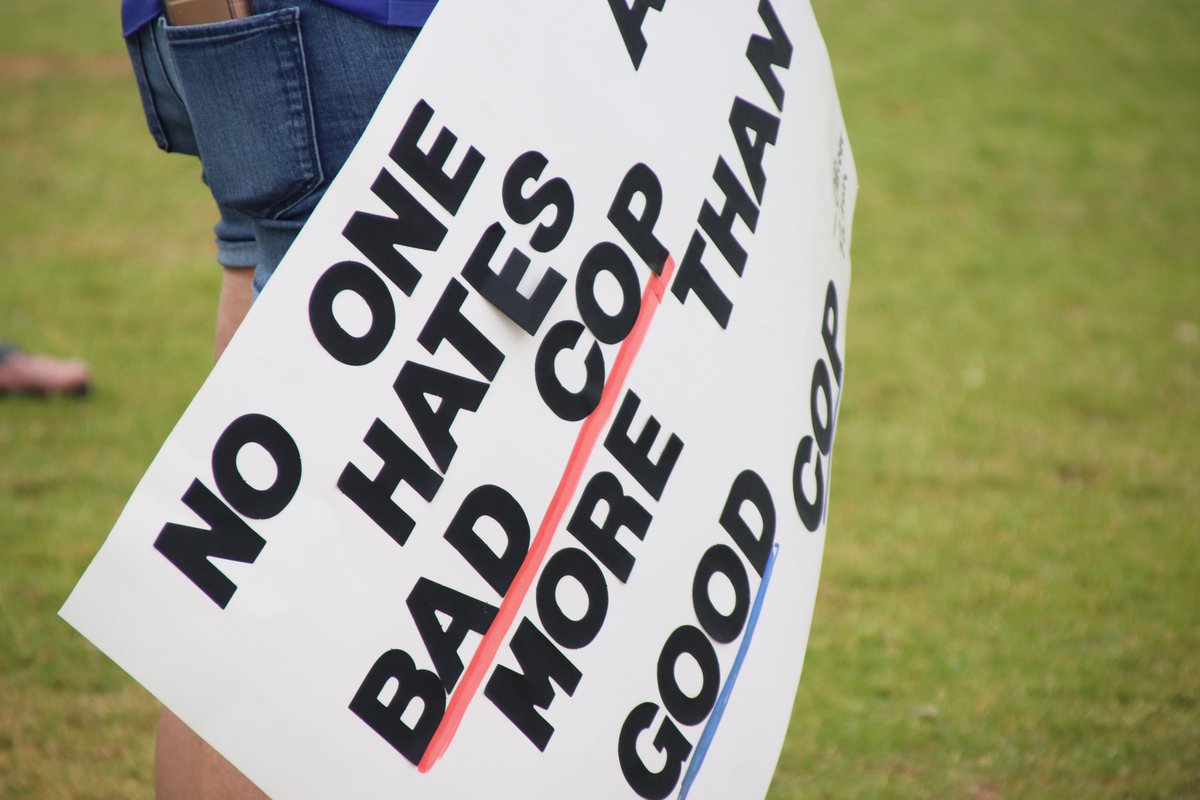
513 483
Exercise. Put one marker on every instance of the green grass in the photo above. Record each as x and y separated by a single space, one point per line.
97 232
1010 604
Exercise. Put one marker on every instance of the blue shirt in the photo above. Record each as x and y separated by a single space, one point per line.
393 13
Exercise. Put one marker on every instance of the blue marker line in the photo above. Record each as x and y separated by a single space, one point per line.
714 719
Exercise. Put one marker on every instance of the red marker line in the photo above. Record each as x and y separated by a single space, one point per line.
585 443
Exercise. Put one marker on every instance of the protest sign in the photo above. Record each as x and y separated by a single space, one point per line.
514 481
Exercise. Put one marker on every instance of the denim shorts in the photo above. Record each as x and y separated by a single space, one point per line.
272 104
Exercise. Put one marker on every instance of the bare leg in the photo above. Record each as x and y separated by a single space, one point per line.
185 767
236 294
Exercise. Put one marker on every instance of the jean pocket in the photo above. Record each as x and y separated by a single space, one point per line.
247 90
166 116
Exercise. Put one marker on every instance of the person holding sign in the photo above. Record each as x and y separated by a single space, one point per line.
271 95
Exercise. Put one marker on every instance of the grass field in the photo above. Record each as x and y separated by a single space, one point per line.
1010 604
